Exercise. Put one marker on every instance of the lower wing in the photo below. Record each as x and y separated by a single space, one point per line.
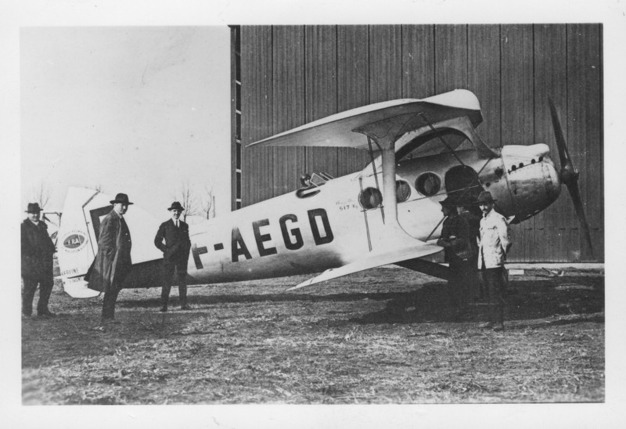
372 260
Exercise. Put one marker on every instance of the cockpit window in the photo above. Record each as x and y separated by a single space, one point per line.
428 184
433 143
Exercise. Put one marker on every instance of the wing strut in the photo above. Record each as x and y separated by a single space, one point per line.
371 151
367 225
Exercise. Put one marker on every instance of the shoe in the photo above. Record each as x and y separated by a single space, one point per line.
485 325
46 313
185 307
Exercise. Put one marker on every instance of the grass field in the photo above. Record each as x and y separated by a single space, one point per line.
378 337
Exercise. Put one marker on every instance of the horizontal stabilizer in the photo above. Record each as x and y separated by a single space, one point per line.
372 260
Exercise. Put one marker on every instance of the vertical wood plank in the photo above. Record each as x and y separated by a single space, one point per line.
585 136
483 77
257 94
517 84
321 91
288 105
385 63
550 81
352 85
450 57
418 61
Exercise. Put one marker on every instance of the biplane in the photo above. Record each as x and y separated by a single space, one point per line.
422 151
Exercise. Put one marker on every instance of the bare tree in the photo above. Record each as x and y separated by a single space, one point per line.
208 203
41 195
187 199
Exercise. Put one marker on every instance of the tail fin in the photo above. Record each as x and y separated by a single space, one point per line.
77 244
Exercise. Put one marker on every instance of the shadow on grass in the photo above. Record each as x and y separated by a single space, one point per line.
525 300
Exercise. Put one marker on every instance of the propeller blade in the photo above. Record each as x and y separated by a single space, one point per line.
558 134
569 175
580 212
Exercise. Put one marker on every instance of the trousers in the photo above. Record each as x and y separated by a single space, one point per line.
493 279
45 283
108 303
168 276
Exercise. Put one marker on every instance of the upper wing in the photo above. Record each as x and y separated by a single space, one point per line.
338 130
375 259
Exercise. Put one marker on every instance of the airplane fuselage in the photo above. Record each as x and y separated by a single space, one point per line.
327 226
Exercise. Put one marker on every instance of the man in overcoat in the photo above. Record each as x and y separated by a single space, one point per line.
493 245
172 239
455 237
113 262
37 252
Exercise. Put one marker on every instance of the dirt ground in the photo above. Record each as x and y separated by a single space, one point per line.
383 336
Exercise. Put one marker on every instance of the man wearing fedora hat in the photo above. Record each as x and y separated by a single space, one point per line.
493 245
172 239
37 252
113 262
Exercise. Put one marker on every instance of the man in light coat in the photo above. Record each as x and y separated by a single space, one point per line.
37 252
113 262
172 239
493 245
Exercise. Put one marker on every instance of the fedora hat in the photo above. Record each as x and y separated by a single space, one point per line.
485 197
176 206
121 198
448 202
33 208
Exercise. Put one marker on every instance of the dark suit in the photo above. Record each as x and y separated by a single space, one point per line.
458 252
37 252
113 262
175 244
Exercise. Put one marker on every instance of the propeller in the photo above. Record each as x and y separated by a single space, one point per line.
568 174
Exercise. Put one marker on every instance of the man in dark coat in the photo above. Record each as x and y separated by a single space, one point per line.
467 211
37 252
454 239
172 239
113 261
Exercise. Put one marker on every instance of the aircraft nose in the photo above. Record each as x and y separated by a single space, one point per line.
553 181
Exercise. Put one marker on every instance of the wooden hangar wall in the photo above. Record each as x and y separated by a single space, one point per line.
291 75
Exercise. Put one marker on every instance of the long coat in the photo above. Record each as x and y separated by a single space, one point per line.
173 242
113 261
37 250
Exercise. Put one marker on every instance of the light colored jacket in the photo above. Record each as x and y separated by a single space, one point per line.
493 241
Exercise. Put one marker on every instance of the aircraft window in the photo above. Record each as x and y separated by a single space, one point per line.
428 184
403 191
430 144
370 198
